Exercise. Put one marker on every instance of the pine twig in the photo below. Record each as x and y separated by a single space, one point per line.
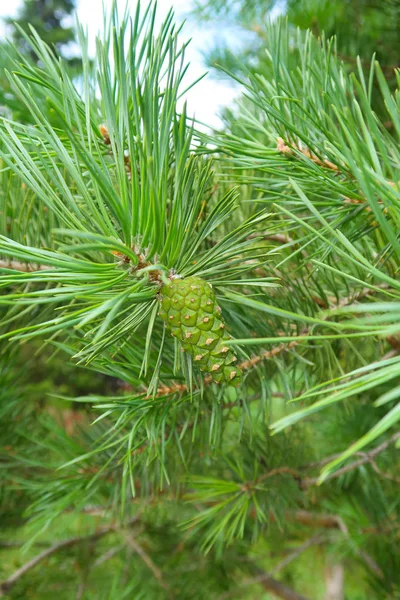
147 560
366 458
6 585
336 522
275 587
280 471
315 540
306 482
327 164
288 151
108 555
278 589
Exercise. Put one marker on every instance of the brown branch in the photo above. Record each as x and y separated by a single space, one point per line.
6 585
165 390
362 202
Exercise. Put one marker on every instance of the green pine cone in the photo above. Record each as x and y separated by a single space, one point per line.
190 311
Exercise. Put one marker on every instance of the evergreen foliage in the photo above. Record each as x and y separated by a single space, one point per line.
362 28
167 484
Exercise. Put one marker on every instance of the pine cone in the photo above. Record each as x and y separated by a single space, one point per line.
190 311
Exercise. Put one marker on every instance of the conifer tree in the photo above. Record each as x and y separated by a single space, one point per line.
47 17
362 28
254 450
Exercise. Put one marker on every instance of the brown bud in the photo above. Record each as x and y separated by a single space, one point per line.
104 132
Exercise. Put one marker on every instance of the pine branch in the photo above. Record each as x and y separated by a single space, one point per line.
290 151
6 585
366 458
147 560
276 351
306 482
276 588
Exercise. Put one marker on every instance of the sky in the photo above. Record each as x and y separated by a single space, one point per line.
208 96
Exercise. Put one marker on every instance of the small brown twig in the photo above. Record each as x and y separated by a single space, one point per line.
291 151
280 471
